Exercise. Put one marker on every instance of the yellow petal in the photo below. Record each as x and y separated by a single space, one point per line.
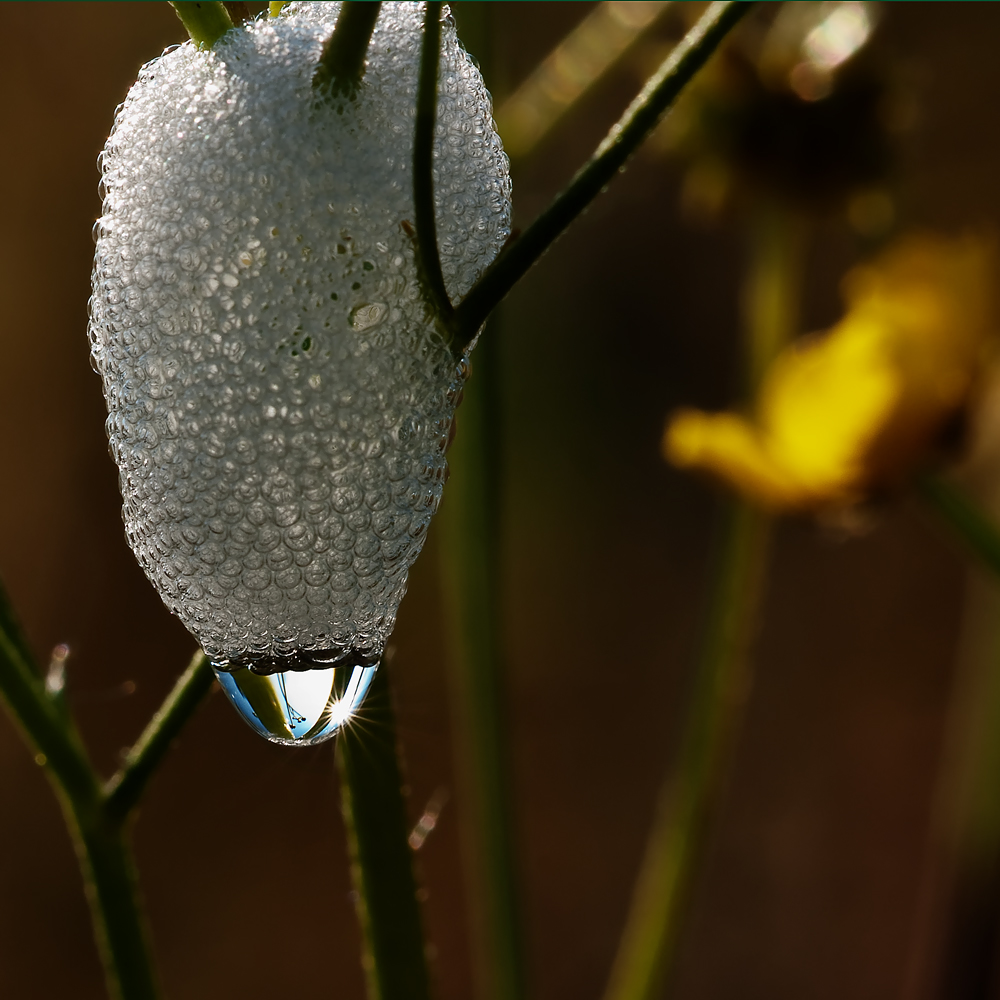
859 407
729 447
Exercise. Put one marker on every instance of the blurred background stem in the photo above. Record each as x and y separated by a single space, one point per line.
649 947
471 535
956 948
471 558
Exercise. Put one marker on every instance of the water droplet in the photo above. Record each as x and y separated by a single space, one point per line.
297 707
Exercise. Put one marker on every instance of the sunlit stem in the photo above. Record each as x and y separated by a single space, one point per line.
371 788
426 243
611 155
653 933
342 64
206 21
471 539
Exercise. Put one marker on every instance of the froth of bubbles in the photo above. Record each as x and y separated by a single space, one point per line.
298 708
279 401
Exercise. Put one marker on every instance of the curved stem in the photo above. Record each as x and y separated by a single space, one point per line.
125 788
621 142
371 784
342 63
426 244
206 21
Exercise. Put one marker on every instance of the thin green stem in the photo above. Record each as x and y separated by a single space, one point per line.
381 860
426 243
96 818
976 529
112 890
342 64
471 539
649 944
611 155
125 788
45 727
206 21
100 843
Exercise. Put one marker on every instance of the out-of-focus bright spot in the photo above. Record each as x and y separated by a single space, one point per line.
831 43
838 36
842 415
578 61
427 822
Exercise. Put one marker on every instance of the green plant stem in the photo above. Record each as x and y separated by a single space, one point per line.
44 725
342 64
611 155
470 549
112 889
976 529
371 786
206 21
428 256
649 945
124 789
97 820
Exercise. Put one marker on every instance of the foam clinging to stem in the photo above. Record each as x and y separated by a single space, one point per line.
279 398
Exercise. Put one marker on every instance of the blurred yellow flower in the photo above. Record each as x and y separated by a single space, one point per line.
845 414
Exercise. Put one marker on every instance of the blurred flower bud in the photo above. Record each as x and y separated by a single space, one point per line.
845 415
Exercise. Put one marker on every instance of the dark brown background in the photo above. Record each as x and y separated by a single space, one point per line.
813 879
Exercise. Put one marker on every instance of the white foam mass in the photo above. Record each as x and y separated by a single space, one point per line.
279 399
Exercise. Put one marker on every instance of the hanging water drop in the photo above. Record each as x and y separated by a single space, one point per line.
297 707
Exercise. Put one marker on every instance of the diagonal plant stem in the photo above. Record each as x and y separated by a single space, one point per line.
651 941
371 784
104 857
97 821
611 155
426 244
342 63
206 21
649 946
124 789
